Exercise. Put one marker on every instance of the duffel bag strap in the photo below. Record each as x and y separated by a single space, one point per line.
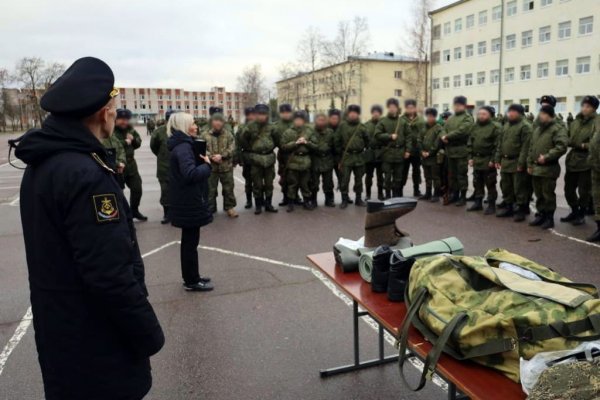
566 330
408 321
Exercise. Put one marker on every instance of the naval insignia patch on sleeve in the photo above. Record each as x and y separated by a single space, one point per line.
106 207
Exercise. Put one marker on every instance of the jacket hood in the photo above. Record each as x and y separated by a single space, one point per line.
176 138
57 135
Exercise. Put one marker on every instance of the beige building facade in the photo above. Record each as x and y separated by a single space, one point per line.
497 52
364 81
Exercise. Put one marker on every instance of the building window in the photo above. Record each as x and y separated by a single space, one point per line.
586 25
543 70
564 30
479 104
446 82
187 106
545 34
469 51
457 53
435 57
497 13
398 92
527 5
458 25
495 76
470 21
161 107
584 65
509 74
160 97
496 45
527 39
435 84
437 32
468 79
511 8
562 68
446 55
481 48
456 81
546 3
525 72
511 41
483 17
481 78
561 104
142 97
398 74
447 28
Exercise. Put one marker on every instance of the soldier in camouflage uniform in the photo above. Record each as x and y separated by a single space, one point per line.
131 141
161 122
373 155
595 165
158 145
243 156
299 142
579 173
483 141
351 141
548 143
150 126
546 100
220 148
261 141
456 138
283 124
395 140
429 145
322 161
511 160
116 156
335 119
415 126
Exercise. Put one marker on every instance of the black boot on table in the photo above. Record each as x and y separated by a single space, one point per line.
381 269
539 219
506 212
248 201
596 235
138 215
572 216
166 218
269 205
476 206
549 222
258 205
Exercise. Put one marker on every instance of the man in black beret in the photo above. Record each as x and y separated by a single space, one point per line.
94 327
548 144
243 154
284 123
373 155
594 159
416 126
578 177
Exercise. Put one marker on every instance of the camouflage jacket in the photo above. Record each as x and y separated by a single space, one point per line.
222 143
513 146
261 141
323 155
158 145
352 140
299 155
550 141
279 129
373 152
393 150
580 135
483 142
135 143
429 141
112 142
594 157
240 157
415 127
457 130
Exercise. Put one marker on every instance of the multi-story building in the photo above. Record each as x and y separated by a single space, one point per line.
365 80
497 52
147 103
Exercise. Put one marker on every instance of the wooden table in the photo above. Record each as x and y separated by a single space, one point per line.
465 379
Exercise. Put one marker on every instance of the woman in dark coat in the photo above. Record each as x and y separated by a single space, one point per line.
189 196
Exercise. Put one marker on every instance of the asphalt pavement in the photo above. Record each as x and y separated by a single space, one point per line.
271 323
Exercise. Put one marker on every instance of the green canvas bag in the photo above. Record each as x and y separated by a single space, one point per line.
470 308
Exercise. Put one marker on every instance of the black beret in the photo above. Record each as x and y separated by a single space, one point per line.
393 101
518 108
592 101
123 113
84 88
431 111
376 108
300 114
548 99
261 109
249 110
410 102
546 109
354 108
214 110
334 111
489 109
285 108
460 100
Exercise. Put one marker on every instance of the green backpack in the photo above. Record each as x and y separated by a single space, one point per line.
470 308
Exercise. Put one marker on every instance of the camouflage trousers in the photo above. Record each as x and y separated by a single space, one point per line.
393 175
578 182
133 181
515 187
347 172
545 193
298 180
596 193
247 174
164 192
413 161
485 179
432 177
326 177
374 169
262 180
458 170
227 187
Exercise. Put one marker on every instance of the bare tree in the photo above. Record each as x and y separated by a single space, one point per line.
252 82
30 73
51 73
310 59
4 104
289 91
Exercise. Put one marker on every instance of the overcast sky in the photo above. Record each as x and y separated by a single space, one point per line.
192 44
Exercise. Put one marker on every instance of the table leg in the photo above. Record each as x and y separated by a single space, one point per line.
454 394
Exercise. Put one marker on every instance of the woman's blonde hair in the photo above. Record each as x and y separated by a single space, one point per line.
180 121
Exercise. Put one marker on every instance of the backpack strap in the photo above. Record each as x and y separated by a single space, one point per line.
566 330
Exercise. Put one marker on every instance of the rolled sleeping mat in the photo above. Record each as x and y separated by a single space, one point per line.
449 245
365 262
346 258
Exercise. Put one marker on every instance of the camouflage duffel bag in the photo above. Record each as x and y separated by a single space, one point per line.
495 309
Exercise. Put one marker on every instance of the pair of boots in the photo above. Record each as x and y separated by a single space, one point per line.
544 220
286 200
459 199
357 202
596 235
575 217
266 202
308 204
478 206
518 212
390 273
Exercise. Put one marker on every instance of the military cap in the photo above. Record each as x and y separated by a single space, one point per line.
249 110
354 108
393 101
431 111
300 114
548 99
217 116
285 108
546 109
215 109
518 108
410 102
490 110
261 109
123 113
460 100
376 108
592 101
334 111
84 88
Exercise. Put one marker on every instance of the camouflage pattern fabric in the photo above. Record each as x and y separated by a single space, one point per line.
573 381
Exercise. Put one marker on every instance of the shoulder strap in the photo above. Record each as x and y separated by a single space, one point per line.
97 158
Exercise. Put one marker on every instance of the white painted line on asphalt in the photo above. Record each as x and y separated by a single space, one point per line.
15 202
9 187
27 318
256 258
562 235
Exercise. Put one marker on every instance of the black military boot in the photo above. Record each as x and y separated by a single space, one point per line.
166 218
308 204
427 195
596 235
398 277
417 192
491 208
290 207
285 201
381 269
358 202
452 199
329 200
258 205
344 203
477 205
471 197
269 205
248 201
506 212
549 222
539 219
315 202
436 196
388 194
580 218
368 193
135 213
299 201
519 214
501 205
572 216
380 195
462 201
